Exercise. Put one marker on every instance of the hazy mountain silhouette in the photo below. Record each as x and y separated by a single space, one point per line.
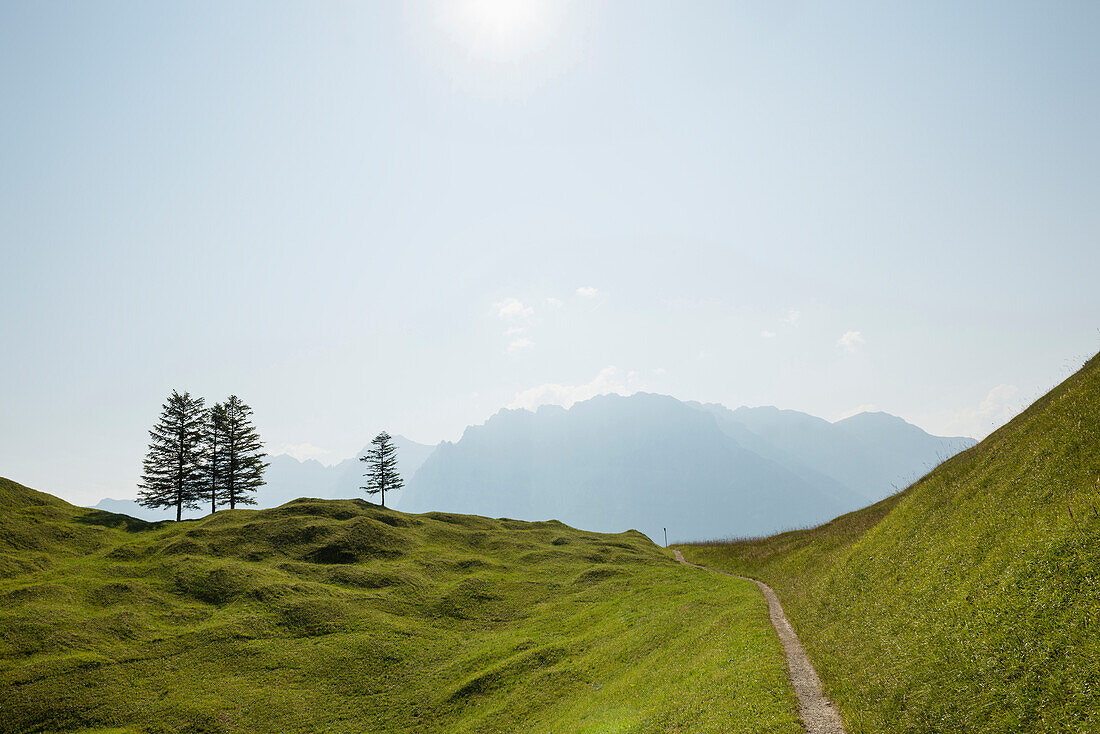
644 462
873 454
650 461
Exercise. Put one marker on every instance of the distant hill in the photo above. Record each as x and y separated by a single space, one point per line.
969 602
288 479
650 462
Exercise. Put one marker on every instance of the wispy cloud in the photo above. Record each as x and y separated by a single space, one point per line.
792 316
517 315
1000 405
767 334
519 345
610 380
513 309
851 341
587 291
554 302
865 408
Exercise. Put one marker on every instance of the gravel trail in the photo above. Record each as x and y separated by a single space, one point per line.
819 715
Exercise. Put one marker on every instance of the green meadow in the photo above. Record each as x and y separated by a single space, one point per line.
969 602
342 616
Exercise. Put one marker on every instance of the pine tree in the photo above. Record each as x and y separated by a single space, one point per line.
214 466
244 457
172 475
381 461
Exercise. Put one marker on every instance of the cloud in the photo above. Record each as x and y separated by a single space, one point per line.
767 334
998 407
865 408
610 380
659 371
512 309
302 451
518 345
587 291
791 316
517 315
851 341
554 302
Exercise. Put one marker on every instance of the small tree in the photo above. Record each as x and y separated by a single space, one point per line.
172 475
243 470
214 467
381 461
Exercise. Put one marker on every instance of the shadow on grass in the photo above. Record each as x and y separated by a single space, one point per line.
115 520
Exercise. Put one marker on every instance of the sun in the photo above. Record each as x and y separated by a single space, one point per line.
502 28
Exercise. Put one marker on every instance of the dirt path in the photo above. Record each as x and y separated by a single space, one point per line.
819 715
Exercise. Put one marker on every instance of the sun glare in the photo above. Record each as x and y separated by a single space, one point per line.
502 28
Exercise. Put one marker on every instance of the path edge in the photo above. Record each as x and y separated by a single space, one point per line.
819 715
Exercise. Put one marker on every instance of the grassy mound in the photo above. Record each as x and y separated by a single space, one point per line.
969 602
342 616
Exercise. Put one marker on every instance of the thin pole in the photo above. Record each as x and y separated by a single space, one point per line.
666 536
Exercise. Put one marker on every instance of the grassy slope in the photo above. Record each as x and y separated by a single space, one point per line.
969 602
337 615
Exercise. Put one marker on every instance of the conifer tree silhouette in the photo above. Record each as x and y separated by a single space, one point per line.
172 471
244 465
381 462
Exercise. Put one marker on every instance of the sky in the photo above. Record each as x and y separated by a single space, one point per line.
406 216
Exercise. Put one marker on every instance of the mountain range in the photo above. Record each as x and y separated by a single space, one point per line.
647 462
651 462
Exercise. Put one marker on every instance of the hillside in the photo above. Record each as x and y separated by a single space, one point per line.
338 615
652 462
969 602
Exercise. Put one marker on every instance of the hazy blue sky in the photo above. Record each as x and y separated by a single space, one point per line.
406 216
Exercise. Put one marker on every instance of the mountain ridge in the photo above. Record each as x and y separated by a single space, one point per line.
820 467
521 463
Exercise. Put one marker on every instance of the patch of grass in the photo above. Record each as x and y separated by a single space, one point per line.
970 601
338 615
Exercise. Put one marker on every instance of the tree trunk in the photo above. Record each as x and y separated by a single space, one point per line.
214 472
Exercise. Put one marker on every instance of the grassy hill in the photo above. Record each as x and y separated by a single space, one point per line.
338 615
969 602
